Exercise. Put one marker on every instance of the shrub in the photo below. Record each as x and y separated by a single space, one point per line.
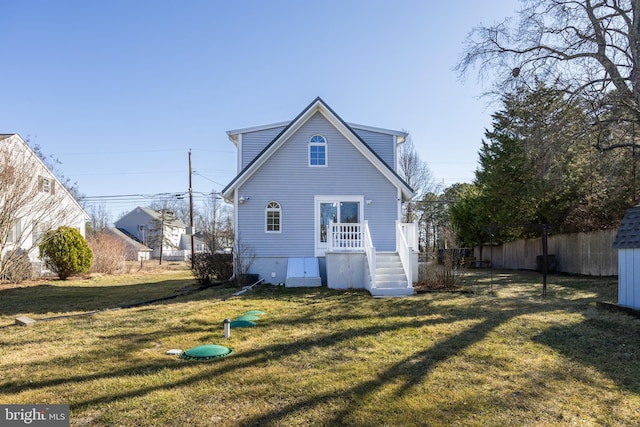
209 268
19 268
109 253
66 252
445 275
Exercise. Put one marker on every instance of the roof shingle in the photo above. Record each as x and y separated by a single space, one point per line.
628 236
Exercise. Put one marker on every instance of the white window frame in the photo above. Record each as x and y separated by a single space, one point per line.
313 143
38 231
271 209
321 247
15 232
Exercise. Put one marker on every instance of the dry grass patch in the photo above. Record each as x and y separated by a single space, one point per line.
501 356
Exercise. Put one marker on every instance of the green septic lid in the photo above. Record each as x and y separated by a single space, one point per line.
248 317
242 323
255 312
206 352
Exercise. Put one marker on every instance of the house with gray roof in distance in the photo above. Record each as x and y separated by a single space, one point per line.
134 250
160 230
627 242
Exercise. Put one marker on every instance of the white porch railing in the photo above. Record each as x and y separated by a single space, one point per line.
357 237
345 236
406 241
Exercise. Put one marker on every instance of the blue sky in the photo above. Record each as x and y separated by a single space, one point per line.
120 91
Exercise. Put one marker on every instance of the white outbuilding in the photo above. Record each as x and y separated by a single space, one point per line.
627 242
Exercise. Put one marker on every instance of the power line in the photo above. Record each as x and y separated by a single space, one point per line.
208 179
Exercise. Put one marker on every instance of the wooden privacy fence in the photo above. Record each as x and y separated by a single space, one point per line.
578 253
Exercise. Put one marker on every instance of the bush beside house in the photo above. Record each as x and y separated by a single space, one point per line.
66 252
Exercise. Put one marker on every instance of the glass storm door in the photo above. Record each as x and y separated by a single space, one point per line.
337 210
328 214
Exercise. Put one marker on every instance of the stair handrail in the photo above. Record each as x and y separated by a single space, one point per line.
405 252
370 252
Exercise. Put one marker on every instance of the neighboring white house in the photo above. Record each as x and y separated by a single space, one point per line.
627 242
32 201
317 200
159 229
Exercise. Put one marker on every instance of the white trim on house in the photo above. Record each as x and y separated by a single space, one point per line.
400 135
238 143
395 153
233 134
399 215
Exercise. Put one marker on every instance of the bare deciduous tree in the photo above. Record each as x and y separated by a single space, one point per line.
589 49
416 174
100 218
213 223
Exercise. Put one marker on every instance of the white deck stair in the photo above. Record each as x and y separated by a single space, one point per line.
391 279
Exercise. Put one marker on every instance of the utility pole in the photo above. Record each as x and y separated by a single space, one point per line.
193 249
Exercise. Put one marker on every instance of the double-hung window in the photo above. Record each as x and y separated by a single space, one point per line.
317 151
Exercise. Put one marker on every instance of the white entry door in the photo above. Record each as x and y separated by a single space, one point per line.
342 209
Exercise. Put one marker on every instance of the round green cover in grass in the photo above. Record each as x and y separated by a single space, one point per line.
248 317
255 312
206 352
242 323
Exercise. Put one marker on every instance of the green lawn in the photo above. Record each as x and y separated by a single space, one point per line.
502 355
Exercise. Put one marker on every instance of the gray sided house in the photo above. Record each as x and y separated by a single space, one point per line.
317 200
627 242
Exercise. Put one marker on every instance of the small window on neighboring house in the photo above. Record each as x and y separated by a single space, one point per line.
317 151
45 185
39 229
14 232
273 213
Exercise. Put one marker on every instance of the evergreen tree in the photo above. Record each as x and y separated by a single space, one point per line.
66 252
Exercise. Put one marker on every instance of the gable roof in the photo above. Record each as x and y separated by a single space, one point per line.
233 134
628 236
317 106
128 238
170 218
59 184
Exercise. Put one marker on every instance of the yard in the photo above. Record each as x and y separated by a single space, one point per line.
502 355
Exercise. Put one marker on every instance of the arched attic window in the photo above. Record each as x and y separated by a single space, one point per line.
317 151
